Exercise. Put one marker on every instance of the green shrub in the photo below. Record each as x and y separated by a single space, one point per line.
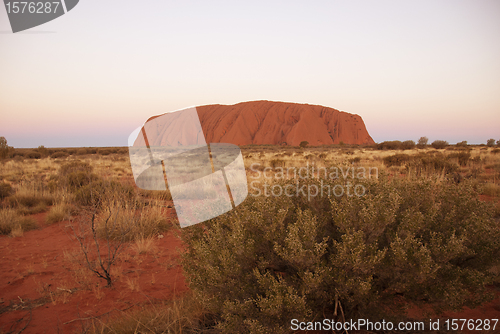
439 144
5 190
406 242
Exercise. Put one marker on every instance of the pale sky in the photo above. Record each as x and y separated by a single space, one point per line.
408 68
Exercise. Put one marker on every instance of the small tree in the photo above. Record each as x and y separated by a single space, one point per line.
4 148
439 144
462 143
422 142
99 254
43 151
490 142
498 142
303 144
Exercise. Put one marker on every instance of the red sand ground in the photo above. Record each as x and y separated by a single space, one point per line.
40 281
38 275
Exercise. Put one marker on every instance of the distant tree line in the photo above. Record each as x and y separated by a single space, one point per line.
423 142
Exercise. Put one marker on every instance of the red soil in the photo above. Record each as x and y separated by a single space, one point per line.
40 276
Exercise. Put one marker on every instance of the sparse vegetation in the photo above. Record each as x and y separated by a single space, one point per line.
417 229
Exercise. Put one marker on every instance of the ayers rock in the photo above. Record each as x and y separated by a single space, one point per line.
280 123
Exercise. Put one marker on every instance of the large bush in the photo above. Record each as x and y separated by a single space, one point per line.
408 145
390 145
439 144
406 242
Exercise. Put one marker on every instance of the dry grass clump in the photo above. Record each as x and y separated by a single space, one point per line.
59 212
21 198
144 245
130 223
30 201
11 222
183 315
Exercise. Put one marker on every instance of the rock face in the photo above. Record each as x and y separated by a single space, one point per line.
280 123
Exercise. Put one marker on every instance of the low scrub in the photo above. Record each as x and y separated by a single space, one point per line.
405 242
11 222
28 200
59 212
